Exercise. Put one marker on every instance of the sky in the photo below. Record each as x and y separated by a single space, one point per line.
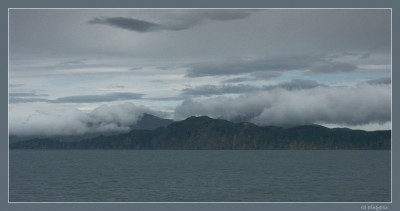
77 71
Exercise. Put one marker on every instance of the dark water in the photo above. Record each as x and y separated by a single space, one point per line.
197 176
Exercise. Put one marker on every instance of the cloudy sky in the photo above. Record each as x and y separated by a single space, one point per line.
79 71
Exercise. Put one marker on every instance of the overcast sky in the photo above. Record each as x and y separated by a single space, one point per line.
69 68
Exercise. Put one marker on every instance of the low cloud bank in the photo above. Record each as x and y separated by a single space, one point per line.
358 105
115 118
366 103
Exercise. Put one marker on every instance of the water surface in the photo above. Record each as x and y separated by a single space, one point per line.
199 176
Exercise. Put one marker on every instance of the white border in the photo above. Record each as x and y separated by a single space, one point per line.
391 102
8 106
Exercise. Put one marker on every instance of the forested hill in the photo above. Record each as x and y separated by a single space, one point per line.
207 133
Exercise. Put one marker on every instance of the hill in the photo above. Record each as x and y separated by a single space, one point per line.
207 133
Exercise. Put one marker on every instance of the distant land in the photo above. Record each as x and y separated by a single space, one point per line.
204 133
146 122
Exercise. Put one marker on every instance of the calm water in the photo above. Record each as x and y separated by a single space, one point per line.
196 176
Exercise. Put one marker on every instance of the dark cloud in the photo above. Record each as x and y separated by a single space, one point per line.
163 67
117 87
223 15
164 98
257 67
238 66
237 80
207 90
332 67
37 33
187 19
380 81
365 55
47 69
219 90
115 96
265 75
28 100
72 62
157 81
298 84
135 68
26 94
128 23
15 85
350 54
335 105
173 23
26 97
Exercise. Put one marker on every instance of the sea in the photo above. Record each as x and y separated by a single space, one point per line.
199 176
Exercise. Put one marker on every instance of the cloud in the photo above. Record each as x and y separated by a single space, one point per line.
135 68
240 66
223 15
50 121
207 90
237 80
289 103
15 85
331 67
255 76
265 75
26 94
128 23
26 97
99 98
114 96
185 19
334 105
297 84
174 21
258 67
28 100
351 54
117 87
164 67
218 90
380 81
164 98
72 63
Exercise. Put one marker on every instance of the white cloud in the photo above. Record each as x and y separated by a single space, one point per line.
50 120
358 105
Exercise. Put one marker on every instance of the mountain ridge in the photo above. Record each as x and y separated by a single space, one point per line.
206 133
